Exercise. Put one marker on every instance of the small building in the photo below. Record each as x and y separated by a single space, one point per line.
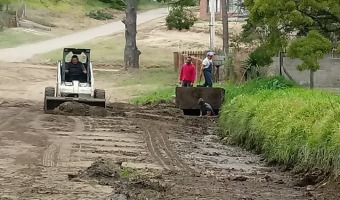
235 9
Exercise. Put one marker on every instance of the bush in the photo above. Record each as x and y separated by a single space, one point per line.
179 18
295 127
100 14
115 4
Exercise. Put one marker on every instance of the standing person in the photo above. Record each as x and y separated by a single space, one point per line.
188 73
205 108
206 70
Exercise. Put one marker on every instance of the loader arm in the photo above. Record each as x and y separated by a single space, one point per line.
59 76
91 80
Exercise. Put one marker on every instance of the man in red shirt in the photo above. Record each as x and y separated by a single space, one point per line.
188 73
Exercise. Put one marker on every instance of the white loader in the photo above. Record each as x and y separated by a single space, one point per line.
67 90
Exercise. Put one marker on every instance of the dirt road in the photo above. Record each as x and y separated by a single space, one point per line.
25 52
39 152
175 156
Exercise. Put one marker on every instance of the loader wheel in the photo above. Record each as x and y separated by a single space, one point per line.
49 92
99 94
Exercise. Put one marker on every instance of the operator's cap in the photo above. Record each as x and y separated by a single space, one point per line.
210 53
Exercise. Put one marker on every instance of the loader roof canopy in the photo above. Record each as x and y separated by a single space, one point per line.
77 51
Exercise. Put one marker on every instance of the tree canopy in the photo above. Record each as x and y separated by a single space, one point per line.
307 28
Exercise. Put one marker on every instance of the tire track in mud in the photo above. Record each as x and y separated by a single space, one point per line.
64 153
8 120
157 143
174 156
152 147
114 137
58 153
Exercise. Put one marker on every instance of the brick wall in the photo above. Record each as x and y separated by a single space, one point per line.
204 15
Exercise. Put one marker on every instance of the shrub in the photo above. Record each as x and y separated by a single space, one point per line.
100 14
115 4
180 18
291 126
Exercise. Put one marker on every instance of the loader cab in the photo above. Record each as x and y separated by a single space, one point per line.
84 57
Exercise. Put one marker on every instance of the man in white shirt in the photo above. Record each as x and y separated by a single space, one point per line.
206 70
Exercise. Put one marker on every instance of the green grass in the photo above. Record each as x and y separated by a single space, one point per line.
163 94
14 37
162 77
111 50
141 85
128 173
291 126
144 5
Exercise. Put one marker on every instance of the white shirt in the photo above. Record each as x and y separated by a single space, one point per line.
206 63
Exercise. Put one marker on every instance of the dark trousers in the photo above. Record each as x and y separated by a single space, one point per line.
79 78
186 84
208 78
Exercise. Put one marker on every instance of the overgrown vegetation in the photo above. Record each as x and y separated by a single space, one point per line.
180 18
292 24
291 126
100 14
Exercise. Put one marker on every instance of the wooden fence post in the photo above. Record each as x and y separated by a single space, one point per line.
176 61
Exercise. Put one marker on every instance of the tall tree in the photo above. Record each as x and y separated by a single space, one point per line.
309 50
131 52
308 28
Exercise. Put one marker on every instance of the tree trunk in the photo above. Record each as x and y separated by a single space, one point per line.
311 80
131 52
225 19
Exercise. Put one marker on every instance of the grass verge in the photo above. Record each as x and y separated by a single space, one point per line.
291 126
144 5
111 50
164 94
14 37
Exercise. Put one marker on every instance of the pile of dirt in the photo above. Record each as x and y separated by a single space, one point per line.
107 172
80 109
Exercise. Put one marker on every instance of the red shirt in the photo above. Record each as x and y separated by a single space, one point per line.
188 73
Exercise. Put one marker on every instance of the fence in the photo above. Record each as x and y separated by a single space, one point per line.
235 72
197 58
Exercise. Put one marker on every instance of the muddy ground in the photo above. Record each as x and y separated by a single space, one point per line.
131 152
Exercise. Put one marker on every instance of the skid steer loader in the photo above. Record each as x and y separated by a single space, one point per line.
67 90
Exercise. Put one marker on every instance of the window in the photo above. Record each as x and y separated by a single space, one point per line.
217 6
233 8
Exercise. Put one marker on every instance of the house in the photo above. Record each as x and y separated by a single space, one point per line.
235 9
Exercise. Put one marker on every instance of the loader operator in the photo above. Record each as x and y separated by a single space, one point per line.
205 108
75 69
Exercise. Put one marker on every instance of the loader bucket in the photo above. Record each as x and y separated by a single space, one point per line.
53 102
187 98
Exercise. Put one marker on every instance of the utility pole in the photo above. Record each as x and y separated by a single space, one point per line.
225 20
212 5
